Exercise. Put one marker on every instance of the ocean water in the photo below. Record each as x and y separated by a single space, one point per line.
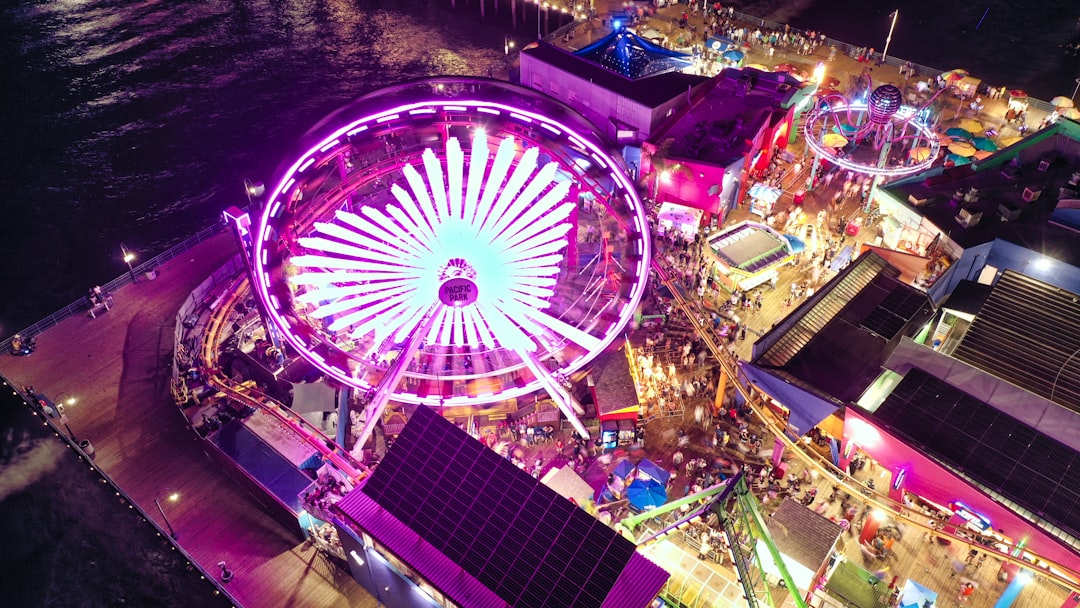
136 122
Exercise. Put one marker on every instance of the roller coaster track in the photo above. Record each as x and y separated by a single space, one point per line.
255 398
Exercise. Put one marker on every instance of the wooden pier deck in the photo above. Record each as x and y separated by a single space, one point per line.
117 367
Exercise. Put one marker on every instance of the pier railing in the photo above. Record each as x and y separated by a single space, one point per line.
81 306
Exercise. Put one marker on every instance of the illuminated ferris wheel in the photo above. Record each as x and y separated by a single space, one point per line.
453 242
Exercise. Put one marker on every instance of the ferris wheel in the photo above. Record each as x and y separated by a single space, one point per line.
453 242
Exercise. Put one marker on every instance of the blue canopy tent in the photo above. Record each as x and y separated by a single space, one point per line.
733 56
807 410
653 470
719 44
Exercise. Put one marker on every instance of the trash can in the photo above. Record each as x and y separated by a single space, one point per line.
151 274
87 447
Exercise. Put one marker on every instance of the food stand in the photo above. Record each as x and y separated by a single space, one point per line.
762 199
681 218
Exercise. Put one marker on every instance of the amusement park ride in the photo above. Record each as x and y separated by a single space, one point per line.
452 246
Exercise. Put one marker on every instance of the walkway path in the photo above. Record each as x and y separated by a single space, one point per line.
117 366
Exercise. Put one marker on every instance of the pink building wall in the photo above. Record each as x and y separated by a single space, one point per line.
929 480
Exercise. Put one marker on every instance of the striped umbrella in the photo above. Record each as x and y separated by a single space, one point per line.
984 143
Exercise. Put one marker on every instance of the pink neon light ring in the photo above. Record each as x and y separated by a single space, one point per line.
484 214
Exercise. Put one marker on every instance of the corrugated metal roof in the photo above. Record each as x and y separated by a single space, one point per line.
487 534
1028 333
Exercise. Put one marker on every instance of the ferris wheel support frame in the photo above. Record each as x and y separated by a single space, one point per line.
375 408
566 403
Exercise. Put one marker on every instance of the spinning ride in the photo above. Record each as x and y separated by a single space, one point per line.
452 242
874 137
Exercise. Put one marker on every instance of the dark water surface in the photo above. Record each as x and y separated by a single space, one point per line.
137 121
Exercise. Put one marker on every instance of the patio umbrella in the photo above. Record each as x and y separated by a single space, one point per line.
653 471
1061 102
733 56
984 143
796 243
758 66
959 133
844 129
1017 94
919 154
1072 113
622 469
834 140
785 67
958 160
644 495
830 81
981 154
1005 142
968 124
962 148
954 75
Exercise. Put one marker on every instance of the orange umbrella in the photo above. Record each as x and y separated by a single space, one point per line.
981 154
1072 113
954 75
919 154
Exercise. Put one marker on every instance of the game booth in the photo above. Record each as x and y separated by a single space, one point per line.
747 255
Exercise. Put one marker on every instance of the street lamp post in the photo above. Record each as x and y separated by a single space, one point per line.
172 497
507 45
888 39
60 403
1075 90
539 3
129 257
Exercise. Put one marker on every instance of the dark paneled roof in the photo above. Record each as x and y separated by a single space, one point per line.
1028 333
995 449
802 534
505 529
839 339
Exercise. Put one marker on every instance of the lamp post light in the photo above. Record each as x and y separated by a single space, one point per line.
60 405
129 257
171 497
888 39
1076 90
507 45
539 4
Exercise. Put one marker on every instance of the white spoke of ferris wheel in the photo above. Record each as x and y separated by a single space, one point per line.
548 226
551 241
549 207
478 160
542 248
560 328
362 305
433 333
410 216
436 181
523 170
528 196
455 169
371 318
506 332
446 332
468 324
544 261
351 251
318 279
409 225
483 332
367 236
528 300
420 194
493 185
374 294
380 227
310 260
408 320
